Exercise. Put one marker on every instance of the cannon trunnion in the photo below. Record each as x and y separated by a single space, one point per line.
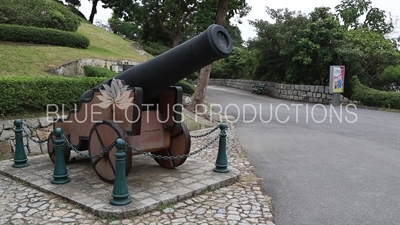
140 106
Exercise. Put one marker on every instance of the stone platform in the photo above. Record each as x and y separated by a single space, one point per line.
150 185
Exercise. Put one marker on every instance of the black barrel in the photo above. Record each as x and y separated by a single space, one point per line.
166 69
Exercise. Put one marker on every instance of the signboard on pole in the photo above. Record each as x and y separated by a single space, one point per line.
336 79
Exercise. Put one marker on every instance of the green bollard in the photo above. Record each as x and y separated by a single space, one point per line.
120 194
221 166
60 175
20 159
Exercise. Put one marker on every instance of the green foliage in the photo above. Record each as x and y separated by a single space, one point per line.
316 44
299 48
33 94
194 76
390 75
366 54
275 47
127 29
372 97
38 13
187 87
171 22
95 71
350 12
37 35
237 66
154 48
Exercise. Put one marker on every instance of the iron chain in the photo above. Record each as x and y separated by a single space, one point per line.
148 154
205 134
173 157
82 154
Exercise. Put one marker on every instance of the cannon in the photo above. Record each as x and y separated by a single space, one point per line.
142 106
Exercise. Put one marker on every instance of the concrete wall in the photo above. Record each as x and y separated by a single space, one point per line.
307 93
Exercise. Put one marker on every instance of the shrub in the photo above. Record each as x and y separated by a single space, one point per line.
33 94
194 76
373 97
94 71
38 13
187 87
154 48
37 35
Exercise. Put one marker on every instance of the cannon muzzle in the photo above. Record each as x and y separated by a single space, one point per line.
159 73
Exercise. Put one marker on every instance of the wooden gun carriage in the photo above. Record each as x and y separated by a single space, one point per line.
141 106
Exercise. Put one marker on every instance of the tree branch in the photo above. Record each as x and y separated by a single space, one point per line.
162 25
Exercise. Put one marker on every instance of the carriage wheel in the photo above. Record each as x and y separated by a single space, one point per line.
180 145
101 136
51 149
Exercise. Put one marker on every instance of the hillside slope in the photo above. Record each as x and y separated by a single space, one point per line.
18 59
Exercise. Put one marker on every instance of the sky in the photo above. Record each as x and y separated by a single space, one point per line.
258 11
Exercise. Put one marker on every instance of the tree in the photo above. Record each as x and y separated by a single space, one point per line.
350 12
200 92
94 10
223 12
180 20
317 43
171 17
77 3
274 47
390 76
367 54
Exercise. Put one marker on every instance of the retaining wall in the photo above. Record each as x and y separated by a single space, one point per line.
307 93
7 137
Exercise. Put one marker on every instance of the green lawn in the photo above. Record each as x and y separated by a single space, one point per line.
18 59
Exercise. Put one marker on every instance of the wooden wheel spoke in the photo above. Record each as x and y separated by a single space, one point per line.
111 165
101 136
96 161
98 137
179 145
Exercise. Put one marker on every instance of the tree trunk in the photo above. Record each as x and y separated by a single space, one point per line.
204 77
94 10
197 104
175 41
222 9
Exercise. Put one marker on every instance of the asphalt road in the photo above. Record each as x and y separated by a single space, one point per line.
318 167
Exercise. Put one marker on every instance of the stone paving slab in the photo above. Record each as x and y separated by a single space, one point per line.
150 185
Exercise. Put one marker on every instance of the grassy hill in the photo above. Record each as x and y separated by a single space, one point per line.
18 59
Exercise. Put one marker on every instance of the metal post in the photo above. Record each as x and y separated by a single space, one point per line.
120 194
336 99
221 165
60 175
20 159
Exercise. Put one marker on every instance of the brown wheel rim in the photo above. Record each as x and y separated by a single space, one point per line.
180 145
51 150
101 136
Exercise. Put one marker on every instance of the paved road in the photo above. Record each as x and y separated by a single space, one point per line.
317 169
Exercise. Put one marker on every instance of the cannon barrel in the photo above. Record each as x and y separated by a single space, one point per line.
166 69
